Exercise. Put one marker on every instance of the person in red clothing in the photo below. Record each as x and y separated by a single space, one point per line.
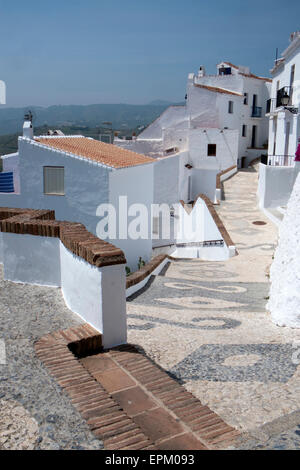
297 157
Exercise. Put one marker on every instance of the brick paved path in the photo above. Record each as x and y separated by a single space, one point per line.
128 401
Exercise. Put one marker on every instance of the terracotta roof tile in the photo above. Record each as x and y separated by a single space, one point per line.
251 75
231 65
218 90
94 150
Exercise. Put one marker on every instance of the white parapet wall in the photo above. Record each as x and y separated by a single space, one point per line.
31 259
275 185
96 294
284 301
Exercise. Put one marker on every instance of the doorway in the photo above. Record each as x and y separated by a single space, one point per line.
287 141
253 139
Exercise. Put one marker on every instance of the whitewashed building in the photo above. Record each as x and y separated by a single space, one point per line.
74 175
277 178
222 124
283 106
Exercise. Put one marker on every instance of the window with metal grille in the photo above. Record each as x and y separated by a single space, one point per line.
54 183
211 150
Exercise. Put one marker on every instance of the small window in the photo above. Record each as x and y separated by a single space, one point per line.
54 183
245 98
230 107
211 150
225 71
244 131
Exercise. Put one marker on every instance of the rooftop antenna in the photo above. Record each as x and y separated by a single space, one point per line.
276 58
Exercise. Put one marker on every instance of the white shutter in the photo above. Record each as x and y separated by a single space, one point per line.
54 180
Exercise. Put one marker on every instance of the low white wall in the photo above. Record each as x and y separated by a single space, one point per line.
204 181
133 289
199 226
1 248
31 259
284 301
228 174
275 185
97 295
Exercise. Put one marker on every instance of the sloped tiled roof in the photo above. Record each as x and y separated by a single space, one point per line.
218 90
249 75
95 150
231 65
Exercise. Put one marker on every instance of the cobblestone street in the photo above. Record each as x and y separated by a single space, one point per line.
206 323
34 412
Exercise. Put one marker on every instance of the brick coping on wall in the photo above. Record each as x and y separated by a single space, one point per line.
128 401
74 236
218 176
145 271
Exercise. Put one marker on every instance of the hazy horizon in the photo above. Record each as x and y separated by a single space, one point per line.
96 52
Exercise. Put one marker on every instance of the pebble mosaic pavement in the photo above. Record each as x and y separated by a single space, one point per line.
205 323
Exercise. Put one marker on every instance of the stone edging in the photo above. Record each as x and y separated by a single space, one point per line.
60 352
74 236
218 176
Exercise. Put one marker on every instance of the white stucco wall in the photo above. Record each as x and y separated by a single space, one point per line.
204 182
166 180
97 295
198 226
1 248
169 118
227 148
31 259
275 185
153 148
280 117
284 302
136 183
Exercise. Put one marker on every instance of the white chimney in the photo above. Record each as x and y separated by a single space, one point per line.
27 130
201 72
27 126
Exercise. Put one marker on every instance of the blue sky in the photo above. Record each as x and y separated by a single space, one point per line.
130 51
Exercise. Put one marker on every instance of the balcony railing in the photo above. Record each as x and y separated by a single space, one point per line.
281 160
256 112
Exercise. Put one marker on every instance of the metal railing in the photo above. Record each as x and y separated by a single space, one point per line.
256 111
206 244
281 160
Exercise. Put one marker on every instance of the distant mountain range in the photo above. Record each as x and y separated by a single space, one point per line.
122 116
